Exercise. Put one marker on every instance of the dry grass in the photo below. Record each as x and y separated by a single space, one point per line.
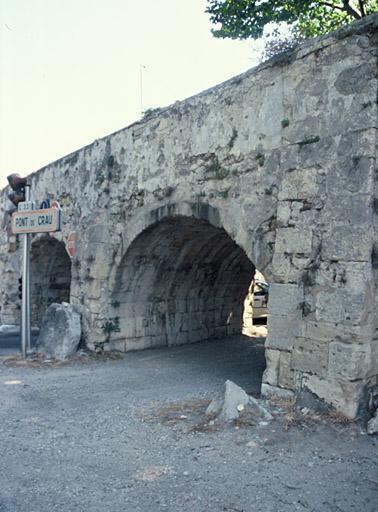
177 412
294 416
205 426
189 413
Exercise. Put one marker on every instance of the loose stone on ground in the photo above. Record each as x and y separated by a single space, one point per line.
60 332
235 404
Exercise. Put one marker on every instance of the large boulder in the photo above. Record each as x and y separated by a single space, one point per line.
60 332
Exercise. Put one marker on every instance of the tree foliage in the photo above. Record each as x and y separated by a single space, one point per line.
243 19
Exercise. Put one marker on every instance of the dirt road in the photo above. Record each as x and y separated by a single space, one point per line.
130 435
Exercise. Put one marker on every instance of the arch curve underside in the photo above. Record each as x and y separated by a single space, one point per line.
50 274
181 281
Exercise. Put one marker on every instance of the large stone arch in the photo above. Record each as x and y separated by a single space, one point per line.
181 279
259 250
50 275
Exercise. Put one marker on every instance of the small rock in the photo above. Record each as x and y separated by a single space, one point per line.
372 426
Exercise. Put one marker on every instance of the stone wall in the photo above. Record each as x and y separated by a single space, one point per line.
274 169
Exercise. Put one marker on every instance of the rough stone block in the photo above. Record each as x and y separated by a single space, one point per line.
310 356
283 270
372 426
99 233
346 242
127 327
276 392
374 358
294 240
299 184
343 395
158 341
140 326
337 306
321 331
272 367
119 346
349 361
283 213
138 343
94 288
286 377
181 338
352 172
282 331
285 298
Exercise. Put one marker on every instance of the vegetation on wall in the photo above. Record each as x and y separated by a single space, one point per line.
251 19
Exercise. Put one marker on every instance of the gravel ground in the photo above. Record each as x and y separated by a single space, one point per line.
129 435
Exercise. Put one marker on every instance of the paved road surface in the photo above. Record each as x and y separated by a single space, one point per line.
10 343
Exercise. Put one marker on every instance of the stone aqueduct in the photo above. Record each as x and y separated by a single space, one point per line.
274 170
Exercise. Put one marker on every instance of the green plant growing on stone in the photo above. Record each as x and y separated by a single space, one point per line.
111 325
115 304
305 308
234 136
243 19
149 112
223 193
200 195
111 161
260 159
285 123
309 140
216 171
269 191
100 178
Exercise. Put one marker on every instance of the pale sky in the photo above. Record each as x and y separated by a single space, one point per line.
70 69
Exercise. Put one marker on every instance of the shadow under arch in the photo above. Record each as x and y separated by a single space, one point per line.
183 279
256 247
50 275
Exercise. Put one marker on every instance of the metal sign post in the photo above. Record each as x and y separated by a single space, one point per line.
25 315
25 221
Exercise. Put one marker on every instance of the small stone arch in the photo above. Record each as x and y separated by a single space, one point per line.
50 275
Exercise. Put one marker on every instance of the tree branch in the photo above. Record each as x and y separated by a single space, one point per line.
346 7
333 6
362 7
349 10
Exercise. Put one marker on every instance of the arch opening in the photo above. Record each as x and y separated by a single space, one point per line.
50 276
181 281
